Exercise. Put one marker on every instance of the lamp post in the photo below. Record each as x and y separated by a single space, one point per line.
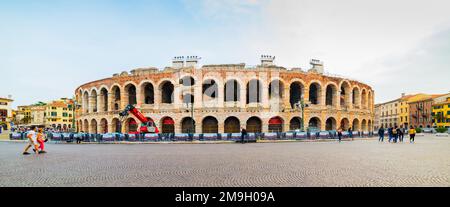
302 106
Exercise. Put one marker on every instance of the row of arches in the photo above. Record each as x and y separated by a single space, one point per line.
232 124
343 95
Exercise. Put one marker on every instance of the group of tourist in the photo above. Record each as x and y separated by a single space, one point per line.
396 134
36 139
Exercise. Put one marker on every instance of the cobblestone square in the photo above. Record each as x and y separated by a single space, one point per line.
350 163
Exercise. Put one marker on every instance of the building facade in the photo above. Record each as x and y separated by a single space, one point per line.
225 98
38 113
420 112
389 113
23 117
5 112
441 111
59 114
377 117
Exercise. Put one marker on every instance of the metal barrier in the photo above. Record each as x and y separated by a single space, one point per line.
118 137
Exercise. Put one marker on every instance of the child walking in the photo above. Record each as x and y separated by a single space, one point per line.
41 140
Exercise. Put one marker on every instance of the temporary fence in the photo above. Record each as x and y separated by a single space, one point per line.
186 137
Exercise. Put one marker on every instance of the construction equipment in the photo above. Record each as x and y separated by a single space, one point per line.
147 126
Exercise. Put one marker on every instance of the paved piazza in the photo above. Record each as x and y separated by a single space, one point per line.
350 163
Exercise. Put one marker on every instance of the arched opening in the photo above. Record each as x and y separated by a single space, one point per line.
330 124
232 91
131 126
364 99
355 125
276 88
356 98
254 125
295 123
209 89
117 98
94 100
254 91
86 102
232 125
330 95
167 92
345 124
314 93
210 125
86 126
167 125
364 125
369 100
104 99
64 127
116 125
345 94
295 93
80 126
131 92
148 93
187 81
276 124
93 126
369 125
187 125
314 124
103 126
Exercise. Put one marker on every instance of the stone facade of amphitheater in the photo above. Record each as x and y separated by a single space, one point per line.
226 98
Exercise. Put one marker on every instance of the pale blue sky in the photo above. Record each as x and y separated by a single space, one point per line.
48 48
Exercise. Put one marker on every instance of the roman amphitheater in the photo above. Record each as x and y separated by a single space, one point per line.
186 98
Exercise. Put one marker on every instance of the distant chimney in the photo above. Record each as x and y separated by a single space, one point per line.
267 60
192 61
178 62
403 94
317 66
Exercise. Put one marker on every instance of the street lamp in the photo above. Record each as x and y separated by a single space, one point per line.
74 107
302 106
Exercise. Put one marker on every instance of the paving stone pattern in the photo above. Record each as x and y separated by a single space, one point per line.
350 163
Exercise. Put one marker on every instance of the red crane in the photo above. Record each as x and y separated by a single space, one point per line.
147 126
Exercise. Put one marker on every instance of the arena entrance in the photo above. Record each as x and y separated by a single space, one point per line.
210 125
254 125
188 125
168 125
232 125
275 124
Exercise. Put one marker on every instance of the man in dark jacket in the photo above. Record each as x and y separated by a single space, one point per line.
400 133
381 134
243 135
390 133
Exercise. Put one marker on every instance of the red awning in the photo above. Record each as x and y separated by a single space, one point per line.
168 121
132 121
275 120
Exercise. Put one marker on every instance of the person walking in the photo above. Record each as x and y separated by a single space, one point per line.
41 139
390 133
32 142
350 132
394 133
412 134
339 133
243 135
400 134
381 134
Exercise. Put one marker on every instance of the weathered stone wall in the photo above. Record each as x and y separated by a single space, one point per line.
358 109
